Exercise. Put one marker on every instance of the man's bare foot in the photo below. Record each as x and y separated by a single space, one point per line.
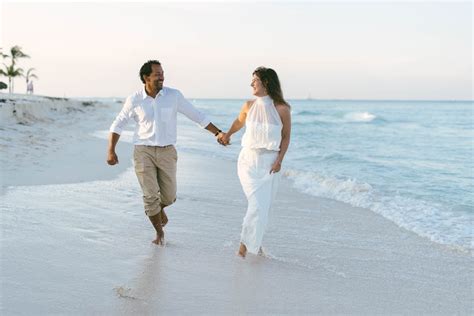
160 234
242 250
164 218
160 240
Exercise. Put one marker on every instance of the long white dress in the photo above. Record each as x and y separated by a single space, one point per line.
260 148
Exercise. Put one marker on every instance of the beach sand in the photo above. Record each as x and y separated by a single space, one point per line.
75 240
43 143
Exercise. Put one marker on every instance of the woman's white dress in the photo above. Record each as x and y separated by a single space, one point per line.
260 148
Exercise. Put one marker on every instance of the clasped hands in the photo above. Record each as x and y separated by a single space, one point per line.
223 139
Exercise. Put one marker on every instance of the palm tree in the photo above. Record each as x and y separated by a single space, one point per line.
2 84
2 54
10 71
30 74
16 53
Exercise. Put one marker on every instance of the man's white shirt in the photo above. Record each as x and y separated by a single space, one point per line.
156 118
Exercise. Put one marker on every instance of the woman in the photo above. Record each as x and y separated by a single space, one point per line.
264 145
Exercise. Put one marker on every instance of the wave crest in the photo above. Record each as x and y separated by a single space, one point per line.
359 117
427 219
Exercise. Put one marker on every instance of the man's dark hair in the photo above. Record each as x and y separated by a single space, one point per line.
146 69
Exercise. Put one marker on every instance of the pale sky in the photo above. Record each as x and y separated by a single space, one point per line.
328 50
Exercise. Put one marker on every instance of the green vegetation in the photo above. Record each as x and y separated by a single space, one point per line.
12 70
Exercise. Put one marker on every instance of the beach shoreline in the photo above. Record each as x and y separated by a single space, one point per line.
353 261
37 154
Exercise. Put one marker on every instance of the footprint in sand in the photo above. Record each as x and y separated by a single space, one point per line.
123 292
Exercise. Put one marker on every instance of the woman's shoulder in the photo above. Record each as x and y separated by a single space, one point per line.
283 106
283 109
248 104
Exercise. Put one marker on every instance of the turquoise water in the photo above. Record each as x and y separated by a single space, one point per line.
410 161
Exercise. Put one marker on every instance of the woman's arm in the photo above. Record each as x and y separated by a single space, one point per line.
285 115
238 123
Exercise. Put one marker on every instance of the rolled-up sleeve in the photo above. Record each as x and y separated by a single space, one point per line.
123 118
185 107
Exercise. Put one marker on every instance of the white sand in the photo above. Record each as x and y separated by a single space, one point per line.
84 248
48 140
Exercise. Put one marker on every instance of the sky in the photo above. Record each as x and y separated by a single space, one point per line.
323 50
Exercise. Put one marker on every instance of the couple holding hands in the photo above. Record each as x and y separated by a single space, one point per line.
154 109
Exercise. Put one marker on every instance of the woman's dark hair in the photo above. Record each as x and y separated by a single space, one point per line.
146 69
271 83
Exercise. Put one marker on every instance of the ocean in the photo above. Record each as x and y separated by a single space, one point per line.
409 161
77 240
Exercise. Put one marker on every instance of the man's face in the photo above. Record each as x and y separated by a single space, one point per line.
156 77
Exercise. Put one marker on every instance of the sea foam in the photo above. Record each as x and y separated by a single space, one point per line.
427 219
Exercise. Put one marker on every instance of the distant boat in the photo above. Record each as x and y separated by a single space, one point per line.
309 97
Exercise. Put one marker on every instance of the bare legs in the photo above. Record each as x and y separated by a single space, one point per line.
157 224
164 218
159 221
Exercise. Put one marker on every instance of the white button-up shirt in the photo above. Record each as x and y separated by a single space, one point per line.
156 118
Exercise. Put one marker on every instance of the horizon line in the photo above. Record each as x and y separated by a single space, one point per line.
234 98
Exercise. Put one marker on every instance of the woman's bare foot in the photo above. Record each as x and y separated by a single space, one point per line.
242 250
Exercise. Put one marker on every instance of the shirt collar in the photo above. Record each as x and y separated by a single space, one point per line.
266 99
144 94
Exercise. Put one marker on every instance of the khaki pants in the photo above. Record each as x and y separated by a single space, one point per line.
155 168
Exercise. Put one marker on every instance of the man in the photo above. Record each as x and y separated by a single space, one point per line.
154 109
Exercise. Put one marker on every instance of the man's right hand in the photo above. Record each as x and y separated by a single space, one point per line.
223 139
112 158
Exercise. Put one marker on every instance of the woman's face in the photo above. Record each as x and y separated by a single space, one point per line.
258 88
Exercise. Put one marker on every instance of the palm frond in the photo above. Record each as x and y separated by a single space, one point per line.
29 71
17 53
2 54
